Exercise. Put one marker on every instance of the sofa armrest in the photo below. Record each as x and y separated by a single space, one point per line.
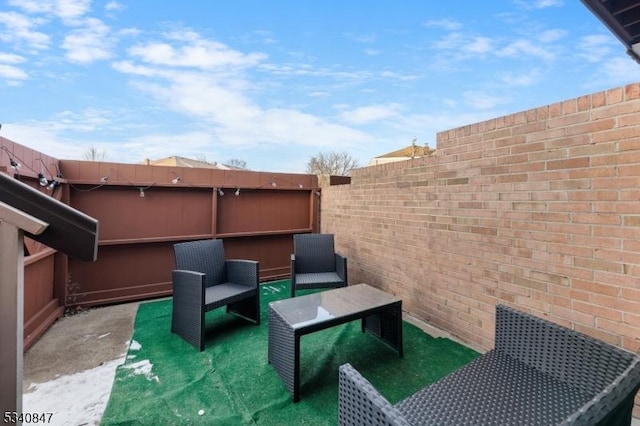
614 404
341 267
241 271
360 404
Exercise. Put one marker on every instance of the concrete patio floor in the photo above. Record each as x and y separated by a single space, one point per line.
70 369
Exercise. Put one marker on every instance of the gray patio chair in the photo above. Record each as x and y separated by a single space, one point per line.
204 280
315 264
539 373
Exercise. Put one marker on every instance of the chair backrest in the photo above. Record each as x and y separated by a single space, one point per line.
314 253
205 256
565 354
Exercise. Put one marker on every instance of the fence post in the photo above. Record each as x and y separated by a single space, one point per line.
12 224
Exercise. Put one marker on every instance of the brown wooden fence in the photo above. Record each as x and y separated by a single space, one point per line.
43 283
142 211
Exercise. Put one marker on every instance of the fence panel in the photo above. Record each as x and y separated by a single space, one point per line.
143 210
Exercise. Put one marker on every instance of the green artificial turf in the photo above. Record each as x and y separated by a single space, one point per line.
166 381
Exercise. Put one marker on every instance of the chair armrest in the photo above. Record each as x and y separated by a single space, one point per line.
241 271
341 267
360 404
188 287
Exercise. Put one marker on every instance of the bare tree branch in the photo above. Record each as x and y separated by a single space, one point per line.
94 154
332 163
235 162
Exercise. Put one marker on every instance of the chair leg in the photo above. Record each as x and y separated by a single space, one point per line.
188 323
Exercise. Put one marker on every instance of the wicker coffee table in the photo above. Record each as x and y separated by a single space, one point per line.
290 319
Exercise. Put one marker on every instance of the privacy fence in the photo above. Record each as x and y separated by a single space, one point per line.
142 211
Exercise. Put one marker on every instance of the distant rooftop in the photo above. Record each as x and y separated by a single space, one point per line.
177 161
406 153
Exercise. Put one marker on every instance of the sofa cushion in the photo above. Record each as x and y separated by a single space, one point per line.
495 389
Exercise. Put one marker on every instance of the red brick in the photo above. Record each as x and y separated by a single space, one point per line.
571 163
632 91
615 96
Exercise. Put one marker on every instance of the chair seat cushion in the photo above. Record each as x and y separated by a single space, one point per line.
225 293
495 389
318 278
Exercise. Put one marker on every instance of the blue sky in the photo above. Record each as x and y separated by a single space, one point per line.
275 82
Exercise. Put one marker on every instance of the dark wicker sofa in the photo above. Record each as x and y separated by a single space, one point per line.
539 373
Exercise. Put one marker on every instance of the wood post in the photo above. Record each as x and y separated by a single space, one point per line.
13 223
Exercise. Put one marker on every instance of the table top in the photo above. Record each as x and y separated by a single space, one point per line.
316 308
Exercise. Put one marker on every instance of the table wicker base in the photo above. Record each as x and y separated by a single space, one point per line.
290 319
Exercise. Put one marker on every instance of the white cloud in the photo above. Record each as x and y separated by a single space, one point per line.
479 45
362 38
71 10
461 43
523 47
530 78
153 146
19 29
481 100
33 6
538 4
39 136
392 75
67 10
88 44
10 58
13 75
446 24
543 4
595 48
549 36
615 72
9 71
371 113
114 6
234 118
88 121
450 42
195 52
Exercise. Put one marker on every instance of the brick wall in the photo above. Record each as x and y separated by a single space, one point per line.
539 210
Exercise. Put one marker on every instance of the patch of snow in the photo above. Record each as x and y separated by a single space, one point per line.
272 289
103 335
75 399
135 346
142 367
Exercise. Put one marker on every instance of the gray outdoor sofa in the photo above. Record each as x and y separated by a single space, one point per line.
539 373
